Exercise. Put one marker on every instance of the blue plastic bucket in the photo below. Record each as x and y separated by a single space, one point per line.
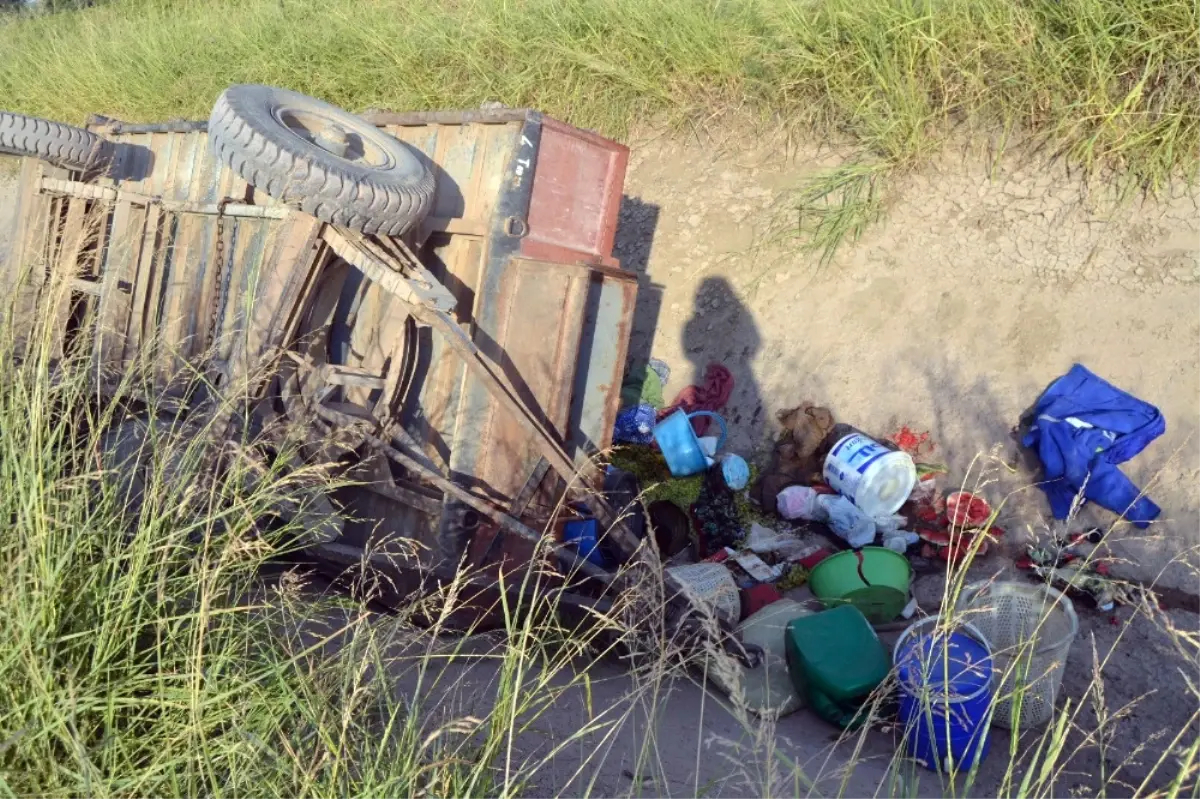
946 691
679 444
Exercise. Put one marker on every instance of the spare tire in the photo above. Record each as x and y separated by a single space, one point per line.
62 145
315 156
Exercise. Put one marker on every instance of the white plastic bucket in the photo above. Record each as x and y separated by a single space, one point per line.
876 479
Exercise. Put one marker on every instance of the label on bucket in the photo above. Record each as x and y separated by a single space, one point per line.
849 460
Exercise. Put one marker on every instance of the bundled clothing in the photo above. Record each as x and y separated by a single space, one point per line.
711 396
1082 428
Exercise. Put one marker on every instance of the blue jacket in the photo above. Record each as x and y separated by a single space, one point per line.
1083 428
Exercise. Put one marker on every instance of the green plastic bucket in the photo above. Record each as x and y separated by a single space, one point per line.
877 585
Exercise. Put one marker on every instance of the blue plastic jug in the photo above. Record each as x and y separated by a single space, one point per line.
679 444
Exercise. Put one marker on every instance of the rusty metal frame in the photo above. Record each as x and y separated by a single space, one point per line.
409 282
139 270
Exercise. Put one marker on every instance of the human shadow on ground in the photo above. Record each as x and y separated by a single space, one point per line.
722 330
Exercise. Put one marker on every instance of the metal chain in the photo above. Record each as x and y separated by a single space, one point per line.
215 314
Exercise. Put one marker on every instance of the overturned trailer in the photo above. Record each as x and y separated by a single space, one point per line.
435 290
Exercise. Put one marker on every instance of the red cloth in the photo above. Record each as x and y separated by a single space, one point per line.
712 396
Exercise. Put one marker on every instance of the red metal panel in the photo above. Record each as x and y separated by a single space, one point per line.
576 196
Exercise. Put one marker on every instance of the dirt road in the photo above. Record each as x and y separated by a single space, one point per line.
978 288
950 316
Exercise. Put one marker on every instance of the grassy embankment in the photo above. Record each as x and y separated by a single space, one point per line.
1104 84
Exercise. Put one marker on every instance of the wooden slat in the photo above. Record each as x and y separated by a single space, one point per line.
119 276
100 228
54 230
286 273
204 181
218 261
25 271
66 266
183 259
84 286
163 145
147 260
74 188
239 236
368 257
253 247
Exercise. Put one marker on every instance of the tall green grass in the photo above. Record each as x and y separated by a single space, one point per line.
1100 80
144 649
1104 83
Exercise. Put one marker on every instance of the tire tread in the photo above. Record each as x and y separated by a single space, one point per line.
262 155
62 145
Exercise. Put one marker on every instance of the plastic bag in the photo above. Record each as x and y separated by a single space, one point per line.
798 502
846 520
890 525
900 540
634 425
735 470
764 540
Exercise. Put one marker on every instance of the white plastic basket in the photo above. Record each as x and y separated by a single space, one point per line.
1030 628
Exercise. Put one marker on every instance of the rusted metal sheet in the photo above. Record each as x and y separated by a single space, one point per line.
536 344
548 197
603 348
576 196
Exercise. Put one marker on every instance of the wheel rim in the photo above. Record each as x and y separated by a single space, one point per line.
334 137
